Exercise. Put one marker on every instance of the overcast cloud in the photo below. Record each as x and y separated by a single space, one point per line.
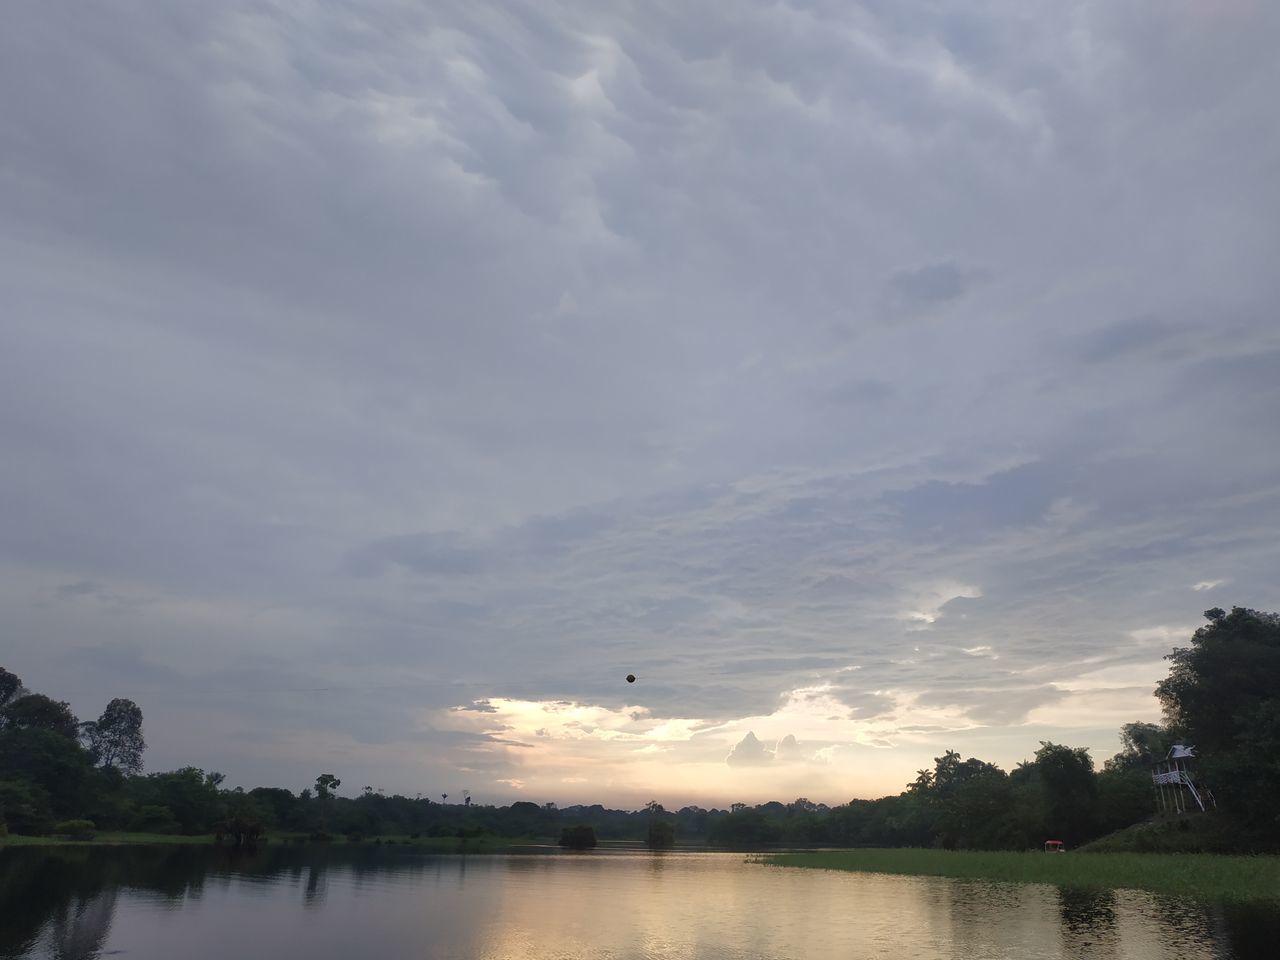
382 382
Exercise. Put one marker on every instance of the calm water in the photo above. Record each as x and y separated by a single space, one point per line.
374 902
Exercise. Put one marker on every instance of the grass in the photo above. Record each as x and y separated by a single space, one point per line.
1202 875
105 838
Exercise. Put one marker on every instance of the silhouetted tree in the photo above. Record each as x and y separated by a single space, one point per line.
35 711
10 687
661 835
326 784
1141 745
1070 791
579 837
1222 691
190 794
115 739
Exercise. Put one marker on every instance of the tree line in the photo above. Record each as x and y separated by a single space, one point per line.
1220 695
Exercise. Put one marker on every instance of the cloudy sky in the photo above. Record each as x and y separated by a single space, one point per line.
381 383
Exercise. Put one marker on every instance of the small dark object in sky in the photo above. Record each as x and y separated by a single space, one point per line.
631 678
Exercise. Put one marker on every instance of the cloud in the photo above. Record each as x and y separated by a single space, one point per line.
934 282
749 752
927 602
363 363
1126 337
70 591
788 750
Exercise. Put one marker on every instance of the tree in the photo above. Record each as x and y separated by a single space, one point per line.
115 739
47 759
191 796
1070 790
581 837
279 806
1229 669
326 784
661 835
745 828
1222 692
1142 744
24 808
35 711
10 686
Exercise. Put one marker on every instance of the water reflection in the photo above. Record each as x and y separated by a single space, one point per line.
1089 927
197 903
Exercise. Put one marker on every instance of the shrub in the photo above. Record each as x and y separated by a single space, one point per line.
75 829
24 807
578 838
662 835
154 818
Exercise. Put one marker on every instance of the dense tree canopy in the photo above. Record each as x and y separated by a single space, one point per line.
1141 745
35 711
1223 693
10 685
115 739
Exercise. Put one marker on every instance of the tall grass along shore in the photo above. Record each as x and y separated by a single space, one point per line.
1194 875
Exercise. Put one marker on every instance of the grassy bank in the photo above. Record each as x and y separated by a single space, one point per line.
104 839
1195 875
426 844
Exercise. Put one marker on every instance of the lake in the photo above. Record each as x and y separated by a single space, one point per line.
346 902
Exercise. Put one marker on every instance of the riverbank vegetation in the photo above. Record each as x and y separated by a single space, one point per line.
1220 695
1193 875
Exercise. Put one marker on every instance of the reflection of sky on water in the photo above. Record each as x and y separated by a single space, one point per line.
375 902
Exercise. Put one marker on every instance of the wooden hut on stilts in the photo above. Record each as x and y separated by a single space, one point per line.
1176 789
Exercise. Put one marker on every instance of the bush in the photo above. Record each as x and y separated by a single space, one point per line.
578 838
154 818
75 829
662 835
24 807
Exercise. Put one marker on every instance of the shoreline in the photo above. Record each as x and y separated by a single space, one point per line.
1201 875
115 838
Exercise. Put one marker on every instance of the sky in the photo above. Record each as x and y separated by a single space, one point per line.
381 383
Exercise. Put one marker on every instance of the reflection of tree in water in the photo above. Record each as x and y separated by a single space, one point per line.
1252 930
1089 923
79 931
1241 931
316 887
65 897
